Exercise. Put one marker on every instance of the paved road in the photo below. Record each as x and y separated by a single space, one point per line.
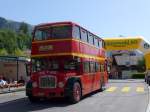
119 96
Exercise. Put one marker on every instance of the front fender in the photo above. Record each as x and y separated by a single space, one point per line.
69 85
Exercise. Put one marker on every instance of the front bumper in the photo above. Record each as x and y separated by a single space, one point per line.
48 93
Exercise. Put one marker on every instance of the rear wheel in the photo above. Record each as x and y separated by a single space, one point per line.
76 93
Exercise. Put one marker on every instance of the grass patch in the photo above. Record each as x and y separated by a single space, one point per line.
138 75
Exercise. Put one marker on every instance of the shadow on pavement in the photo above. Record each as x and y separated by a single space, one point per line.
24 105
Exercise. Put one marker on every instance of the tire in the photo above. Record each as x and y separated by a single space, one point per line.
33 99
76 93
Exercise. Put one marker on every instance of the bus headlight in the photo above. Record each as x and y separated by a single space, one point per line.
34 84
60 84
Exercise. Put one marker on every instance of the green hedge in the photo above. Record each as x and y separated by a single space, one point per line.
138 76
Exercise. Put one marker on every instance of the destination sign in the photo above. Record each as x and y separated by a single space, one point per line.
45 48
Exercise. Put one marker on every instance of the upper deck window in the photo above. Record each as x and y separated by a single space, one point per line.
96 42
53 32
84 35
101 44
42 34
91 38
61 32
76 32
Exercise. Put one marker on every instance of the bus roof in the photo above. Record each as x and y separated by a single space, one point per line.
55 23
65 23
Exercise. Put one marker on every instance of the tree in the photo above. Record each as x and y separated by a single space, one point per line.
3 52
141 65
18 52
23 28
14 43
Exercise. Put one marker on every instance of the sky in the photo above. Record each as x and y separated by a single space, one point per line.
106 18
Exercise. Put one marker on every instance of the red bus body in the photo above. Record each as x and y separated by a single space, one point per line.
78 61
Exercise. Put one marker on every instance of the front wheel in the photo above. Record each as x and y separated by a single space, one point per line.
76 93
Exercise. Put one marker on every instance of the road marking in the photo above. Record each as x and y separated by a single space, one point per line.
125 89
111 89
140 89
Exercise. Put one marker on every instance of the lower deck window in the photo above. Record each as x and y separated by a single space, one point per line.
71 65
86 67
39 64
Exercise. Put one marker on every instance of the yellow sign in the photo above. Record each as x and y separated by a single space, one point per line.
121 43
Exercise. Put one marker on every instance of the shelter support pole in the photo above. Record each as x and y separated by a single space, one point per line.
17 68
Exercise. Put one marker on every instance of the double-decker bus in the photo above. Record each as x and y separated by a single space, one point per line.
66 61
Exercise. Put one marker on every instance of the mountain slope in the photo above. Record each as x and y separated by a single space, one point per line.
13 25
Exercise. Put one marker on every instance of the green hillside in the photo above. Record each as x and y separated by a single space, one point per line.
15 37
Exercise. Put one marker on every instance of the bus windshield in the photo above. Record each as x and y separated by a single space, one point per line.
39 64
50 32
